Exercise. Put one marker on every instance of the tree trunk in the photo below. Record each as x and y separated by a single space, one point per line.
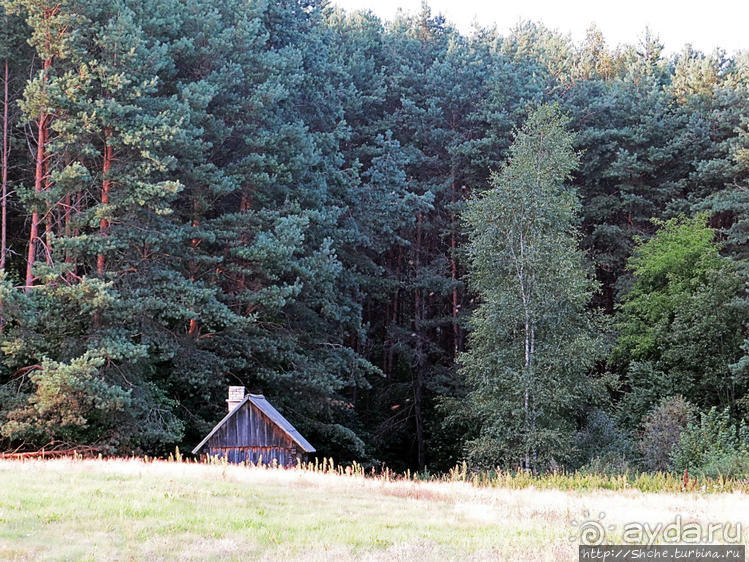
534 421
528 351
49 215
394 318
106 186
39 179
4 220
419 353
526 402
454 276
71 229
66 225
194 327
245 204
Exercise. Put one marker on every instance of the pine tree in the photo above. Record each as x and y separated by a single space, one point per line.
638 152
107 291
50 26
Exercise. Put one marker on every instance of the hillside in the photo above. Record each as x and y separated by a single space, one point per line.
130 509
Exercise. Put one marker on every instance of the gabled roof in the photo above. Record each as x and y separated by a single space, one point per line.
259 401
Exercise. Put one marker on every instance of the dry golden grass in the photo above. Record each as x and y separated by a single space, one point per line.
130 509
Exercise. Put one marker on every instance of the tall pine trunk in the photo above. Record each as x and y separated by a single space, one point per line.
50 215
39 179
454 277
194 327
418 384
106 186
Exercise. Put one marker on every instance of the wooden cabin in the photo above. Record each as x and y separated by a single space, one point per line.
254 431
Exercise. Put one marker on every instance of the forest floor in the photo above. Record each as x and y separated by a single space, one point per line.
133 510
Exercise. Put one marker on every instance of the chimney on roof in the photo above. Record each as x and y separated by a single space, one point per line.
236 395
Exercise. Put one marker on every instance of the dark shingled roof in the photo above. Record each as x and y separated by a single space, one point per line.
274 415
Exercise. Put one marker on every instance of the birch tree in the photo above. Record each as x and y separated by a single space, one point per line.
533 341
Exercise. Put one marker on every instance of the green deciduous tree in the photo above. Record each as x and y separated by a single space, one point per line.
680 328
533 341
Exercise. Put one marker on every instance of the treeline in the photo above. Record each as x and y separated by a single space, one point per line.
198 194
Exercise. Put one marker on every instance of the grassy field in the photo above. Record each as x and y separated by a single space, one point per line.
129 509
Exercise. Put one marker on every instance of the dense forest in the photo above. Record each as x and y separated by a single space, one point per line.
422 246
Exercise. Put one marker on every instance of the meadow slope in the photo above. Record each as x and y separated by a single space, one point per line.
130 509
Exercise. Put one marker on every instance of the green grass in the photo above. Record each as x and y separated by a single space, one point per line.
129 509
90 510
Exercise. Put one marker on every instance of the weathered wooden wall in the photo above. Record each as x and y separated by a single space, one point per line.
255 455
249 436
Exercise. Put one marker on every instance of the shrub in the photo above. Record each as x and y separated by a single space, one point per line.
661 429
602 446
714 447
